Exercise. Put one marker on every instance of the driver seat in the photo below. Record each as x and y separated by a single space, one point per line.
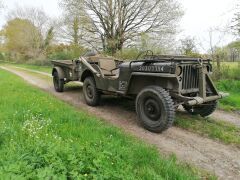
108 67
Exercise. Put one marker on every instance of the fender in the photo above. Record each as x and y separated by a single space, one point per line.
139 80
59 71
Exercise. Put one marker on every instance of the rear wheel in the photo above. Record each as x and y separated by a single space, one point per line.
90 92
58 83
203 110
155 109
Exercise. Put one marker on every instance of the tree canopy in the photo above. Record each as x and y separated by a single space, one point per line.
22 37
115 22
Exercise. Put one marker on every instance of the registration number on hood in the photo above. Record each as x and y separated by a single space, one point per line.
151 68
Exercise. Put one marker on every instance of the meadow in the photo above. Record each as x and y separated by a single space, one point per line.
229 81
39 140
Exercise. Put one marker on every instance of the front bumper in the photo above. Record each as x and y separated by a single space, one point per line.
200 100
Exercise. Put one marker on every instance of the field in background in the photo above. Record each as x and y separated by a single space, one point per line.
229 81
39 140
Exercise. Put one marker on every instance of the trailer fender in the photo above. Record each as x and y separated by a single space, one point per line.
60 72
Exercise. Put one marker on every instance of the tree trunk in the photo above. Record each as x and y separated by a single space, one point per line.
218 66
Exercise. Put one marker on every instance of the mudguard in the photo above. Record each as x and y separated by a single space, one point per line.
60 72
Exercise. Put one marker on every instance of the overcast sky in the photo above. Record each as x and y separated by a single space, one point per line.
200 16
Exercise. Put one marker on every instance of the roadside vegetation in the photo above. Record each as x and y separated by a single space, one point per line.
214 129
229 81
46 69
39 140
232 102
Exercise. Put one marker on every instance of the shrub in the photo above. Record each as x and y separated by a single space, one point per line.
127 54
227 71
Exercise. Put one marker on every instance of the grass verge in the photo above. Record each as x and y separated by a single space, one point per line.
233 101
218 130
46 69
42 137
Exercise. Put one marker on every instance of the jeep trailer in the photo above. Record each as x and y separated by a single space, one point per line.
158 84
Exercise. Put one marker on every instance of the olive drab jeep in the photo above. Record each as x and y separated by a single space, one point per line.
158 84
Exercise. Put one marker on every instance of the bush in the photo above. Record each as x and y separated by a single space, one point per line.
227 71
2 57
64 52
233 101
128 54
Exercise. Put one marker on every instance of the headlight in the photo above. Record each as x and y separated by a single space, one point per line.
178 70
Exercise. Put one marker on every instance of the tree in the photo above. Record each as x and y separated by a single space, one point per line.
188 46
1 4
22 38
35 15
234 51
117 21
236 23
49 38
70 30
41 24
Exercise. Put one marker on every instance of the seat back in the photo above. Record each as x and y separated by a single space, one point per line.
107 64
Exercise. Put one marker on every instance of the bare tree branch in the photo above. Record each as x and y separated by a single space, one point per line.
117 21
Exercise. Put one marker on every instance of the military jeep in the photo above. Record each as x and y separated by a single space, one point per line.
158 84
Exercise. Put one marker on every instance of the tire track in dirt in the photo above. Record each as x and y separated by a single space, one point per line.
223 160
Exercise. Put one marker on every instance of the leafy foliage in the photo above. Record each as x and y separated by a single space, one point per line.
23 39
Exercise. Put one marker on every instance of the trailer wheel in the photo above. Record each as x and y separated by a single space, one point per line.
203 110
155 109
90 92
58 83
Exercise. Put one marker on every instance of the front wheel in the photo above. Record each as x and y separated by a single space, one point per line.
203 110
155 109
57 82
90 92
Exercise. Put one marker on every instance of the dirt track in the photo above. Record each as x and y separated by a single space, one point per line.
223 160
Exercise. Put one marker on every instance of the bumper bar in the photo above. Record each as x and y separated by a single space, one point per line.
200 100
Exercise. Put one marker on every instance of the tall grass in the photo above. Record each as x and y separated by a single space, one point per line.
44 138
228 70
233 101
227 79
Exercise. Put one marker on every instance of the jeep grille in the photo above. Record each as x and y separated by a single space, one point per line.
190 78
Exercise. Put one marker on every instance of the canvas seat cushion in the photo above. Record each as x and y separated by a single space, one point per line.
108 66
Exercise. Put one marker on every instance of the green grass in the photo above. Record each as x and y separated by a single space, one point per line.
228 70
218 130
46 69
233 101
44 138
